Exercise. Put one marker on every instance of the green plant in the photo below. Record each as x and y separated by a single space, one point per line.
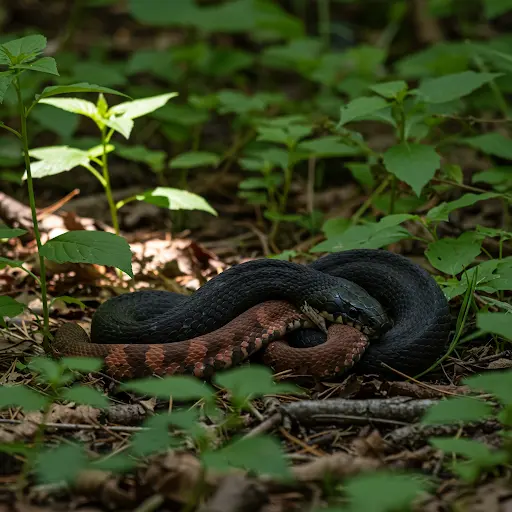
19 56
242 384
479 458
119 118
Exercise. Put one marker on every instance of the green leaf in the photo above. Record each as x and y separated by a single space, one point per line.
361 108
374 235
116 463
180 387
108 74
20 396
384 491
28 45
452 87
155 440
469 448
415 164
176 199
155 159
97 247
390 89
250 382
6 232
494 144
262 455
495 8
441 212
238 103
86 396
10 307
60 464
58 121
69 300
16 448
56 159
496 323
6 262
82 364
74 105
6 79
194 159
288 135
497 383
452 256
49 370
44 65
139 108
183 115
329 146
122 125
455 410
55 90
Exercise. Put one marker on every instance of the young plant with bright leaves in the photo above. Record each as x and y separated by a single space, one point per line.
19 56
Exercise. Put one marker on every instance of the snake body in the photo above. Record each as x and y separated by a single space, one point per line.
230 317
228 346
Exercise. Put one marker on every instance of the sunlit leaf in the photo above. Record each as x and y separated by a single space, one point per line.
139 108
74 105
176 199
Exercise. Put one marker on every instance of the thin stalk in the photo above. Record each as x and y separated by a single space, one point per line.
498 95
392 198
12 130
96 174
324 21
37 234
376 193
106 177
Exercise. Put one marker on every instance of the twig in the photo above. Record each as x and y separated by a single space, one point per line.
361 411
77 426
266 425
43 212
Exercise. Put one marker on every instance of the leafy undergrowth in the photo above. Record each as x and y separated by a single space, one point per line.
285 145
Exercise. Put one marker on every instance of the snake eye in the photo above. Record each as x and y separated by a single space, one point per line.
353 312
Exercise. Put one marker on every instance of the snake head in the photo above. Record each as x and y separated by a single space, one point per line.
350 304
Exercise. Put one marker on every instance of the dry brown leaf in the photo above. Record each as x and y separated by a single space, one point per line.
176 476
338 465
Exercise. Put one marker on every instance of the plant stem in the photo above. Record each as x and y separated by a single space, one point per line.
106 177
393 196
324 22
37 234
498 95
376 193
12 130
